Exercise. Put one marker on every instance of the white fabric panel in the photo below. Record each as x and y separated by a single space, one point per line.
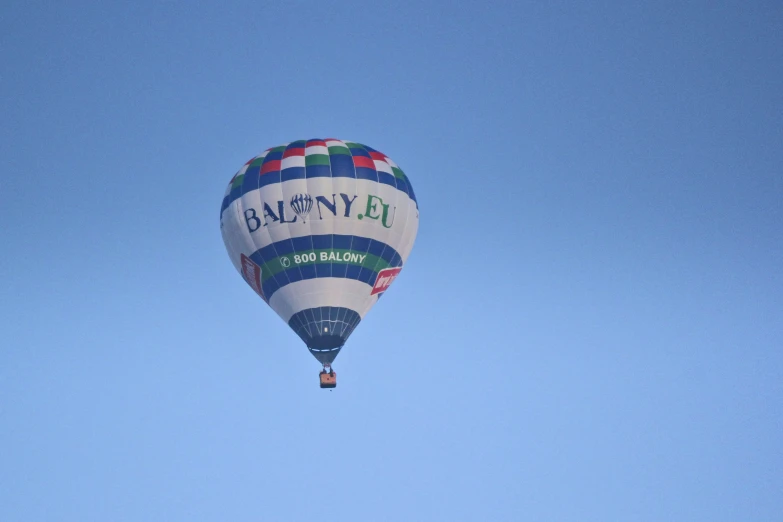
316 149
324 291
292 161
401 210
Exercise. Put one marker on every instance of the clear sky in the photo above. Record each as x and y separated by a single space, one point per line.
589 327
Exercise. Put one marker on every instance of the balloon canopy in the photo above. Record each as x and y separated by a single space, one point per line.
319 229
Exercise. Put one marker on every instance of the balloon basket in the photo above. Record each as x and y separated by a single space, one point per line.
328 377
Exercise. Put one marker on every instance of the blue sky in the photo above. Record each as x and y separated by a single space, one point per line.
589 326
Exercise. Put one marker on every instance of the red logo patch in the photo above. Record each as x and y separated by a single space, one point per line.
252 274
385 279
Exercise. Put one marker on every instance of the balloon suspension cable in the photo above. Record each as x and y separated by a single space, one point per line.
327 367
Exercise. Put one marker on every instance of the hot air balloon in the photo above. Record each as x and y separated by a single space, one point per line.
320 229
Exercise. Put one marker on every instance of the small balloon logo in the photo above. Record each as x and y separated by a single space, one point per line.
302 204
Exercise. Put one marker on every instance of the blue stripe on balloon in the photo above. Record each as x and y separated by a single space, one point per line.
342 166
292 173
273 155
318 242
268 178
318 171
372 175
387 179
403 186
251 179
359 152
224 205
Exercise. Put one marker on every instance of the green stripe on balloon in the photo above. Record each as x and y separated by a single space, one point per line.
277 265
335 149
398 173
317 159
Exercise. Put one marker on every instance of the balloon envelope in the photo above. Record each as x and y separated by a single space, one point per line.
320 229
